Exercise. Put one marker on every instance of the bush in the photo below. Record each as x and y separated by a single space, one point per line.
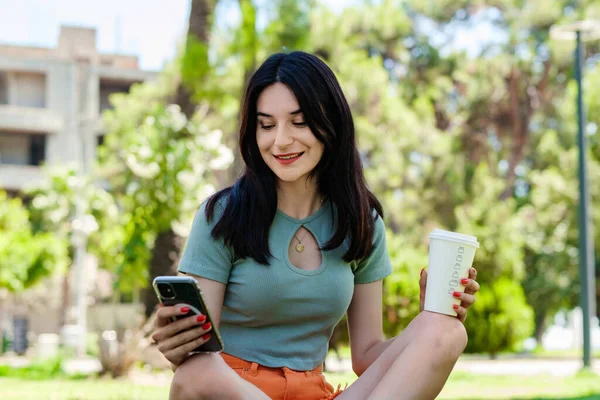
401 288
50 368
500 319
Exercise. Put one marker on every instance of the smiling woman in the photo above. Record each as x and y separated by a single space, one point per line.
293 245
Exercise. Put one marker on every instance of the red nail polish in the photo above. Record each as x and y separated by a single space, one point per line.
206 336
206 326
201 318
464 281
455 306
185 309
456 294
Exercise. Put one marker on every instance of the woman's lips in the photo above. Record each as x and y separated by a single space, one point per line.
288 158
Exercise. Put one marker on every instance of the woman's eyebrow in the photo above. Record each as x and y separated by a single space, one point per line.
263 114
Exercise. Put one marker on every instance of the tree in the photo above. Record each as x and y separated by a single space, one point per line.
25 257
160 167
54 209
194 69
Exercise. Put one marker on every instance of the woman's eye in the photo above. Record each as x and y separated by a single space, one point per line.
300 123
266 127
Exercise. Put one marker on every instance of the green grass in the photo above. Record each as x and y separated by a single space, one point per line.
585 386
91 389
469 386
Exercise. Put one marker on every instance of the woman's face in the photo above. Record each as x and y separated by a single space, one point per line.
286 143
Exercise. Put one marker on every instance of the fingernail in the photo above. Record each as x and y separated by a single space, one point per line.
206 336
464 281
201 318
421 274
160 305
456 294
185 309
473 270
455 306
206 326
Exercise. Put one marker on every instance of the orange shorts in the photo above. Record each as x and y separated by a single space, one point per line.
284 383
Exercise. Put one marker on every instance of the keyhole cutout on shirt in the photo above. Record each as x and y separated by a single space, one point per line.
310 257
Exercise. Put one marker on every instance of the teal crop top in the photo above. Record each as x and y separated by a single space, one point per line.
280 315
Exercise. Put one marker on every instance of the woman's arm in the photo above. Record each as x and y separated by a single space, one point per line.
365 324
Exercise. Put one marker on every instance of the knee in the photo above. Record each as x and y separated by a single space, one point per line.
198 379
446 335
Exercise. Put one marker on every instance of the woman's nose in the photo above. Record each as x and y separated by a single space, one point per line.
282 138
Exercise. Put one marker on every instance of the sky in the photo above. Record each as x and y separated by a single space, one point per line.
150 29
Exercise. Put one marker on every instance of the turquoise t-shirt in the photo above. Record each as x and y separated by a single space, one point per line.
280 315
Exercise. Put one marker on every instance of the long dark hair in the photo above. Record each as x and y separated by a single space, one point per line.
251 203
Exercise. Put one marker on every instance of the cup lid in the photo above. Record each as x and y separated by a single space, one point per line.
454 237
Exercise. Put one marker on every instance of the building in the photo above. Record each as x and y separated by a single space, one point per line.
51 100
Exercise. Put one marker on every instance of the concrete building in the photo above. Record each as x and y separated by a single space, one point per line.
51 100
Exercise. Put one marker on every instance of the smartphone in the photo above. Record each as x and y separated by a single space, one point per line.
172 290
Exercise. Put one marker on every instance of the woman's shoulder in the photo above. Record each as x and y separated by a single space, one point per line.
214 206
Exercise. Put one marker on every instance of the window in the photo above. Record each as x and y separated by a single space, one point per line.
22 149
107 88
28 90
3 88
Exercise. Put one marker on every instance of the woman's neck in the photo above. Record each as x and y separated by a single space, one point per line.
298 199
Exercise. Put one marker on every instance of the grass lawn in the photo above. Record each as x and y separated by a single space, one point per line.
460 386
463 385
92 389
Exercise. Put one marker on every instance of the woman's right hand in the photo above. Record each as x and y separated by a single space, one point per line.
176 339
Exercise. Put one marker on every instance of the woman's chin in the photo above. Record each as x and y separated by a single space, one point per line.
288 178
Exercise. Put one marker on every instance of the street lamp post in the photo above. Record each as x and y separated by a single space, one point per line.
582 31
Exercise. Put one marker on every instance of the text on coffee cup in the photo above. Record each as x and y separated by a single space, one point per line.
453 283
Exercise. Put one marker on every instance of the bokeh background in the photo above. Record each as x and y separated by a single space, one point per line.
117 119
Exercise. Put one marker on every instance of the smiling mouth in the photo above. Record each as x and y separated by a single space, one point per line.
286 157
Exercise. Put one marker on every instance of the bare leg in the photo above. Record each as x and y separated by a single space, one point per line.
417 364
208 377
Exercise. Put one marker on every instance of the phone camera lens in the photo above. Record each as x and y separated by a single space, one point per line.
166 290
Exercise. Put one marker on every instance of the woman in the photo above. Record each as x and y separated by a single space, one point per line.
297 242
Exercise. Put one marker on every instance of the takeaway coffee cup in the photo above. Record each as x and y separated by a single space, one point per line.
450 257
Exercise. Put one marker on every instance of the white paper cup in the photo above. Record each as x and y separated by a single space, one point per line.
450 257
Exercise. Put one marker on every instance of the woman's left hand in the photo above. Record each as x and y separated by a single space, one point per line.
467 298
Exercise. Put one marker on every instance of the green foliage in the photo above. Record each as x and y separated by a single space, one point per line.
25 257
160 166
288 27
401 288
67 201
500 319
50 368
195 67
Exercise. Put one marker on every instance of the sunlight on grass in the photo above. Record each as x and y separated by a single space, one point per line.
91 389
464 386
469 386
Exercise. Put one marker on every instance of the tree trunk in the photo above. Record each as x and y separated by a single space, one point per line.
66 298
199 26
165 258
521 110
540 325
165 255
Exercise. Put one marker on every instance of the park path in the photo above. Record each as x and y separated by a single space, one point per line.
504 366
